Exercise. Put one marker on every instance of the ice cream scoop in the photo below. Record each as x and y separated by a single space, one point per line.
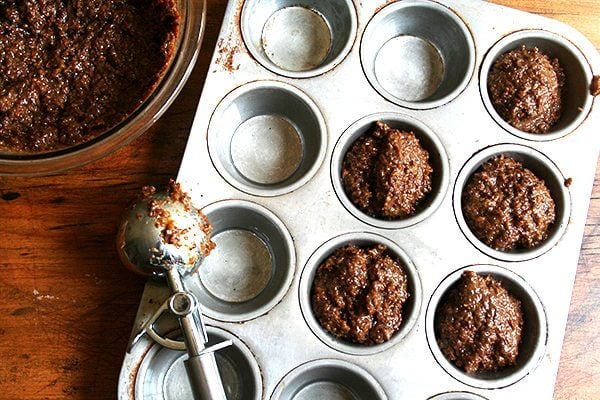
164 236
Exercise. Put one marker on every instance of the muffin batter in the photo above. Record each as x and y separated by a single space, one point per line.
386 173
70 71
479 324
526 89
358 294
595 86
169 230
507 206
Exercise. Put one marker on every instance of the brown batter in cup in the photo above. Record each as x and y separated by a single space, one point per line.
386 172
506 206
526 89
479 324
358 294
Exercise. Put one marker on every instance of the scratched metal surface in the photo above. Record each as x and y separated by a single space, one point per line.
281 339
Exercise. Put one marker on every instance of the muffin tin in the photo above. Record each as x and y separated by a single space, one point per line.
290 86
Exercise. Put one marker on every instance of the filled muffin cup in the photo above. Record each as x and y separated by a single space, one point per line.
534 334
576 99
438 160
328 379
267 138
252 266
410 309
544 169
299 38
162 373
417 54
457 396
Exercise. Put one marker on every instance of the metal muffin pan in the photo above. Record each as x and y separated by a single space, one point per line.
252 267
298 38
417 54
310 207
267 138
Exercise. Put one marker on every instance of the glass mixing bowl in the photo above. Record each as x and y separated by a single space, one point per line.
193 17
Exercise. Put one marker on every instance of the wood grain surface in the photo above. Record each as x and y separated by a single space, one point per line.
67 305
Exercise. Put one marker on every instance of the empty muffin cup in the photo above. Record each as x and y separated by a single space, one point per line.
417 54
410 309
544 169
576 97
162 374
438 160
457 396
298 38
267 138
252 266
328 379
534 334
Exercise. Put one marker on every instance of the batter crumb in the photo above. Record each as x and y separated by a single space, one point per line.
568 182
595 86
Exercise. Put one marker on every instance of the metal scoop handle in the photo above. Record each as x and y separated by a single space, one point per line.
201 366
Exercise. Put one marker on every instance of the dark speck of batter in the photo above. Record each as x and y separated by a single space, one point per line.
10 196
568 182
595 86
22 311
70 390
70 364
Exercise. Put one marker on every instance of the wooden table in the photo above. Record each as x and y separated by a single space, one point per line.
67 305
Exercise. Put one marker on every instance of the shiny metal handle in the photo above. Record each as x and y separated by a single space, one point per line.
204 377
185 306
201 366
